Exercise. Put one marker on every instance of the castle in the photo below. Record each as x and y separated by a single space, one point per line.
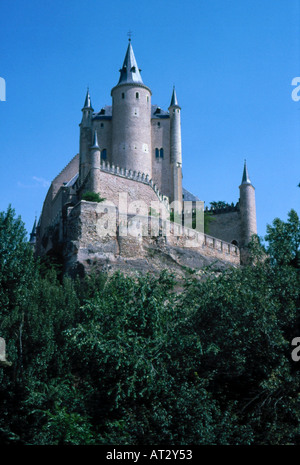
130 153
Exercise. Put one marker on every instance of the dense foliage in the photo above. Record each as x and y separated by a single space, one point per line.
150 360
92 197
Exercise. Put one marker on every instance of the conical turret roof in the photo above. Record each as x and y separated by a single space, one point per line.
95 143
87 102
174 101
246 178
130 72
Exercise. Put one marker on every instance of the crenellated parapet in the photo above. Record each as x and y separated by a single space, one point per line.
186 237
134 176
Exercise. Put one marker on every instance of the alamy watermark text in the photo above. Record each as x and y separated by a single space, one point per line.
2 90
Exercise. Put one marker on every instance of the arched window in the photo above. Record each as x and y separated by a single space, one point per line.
103 154
161 153
156 153
137 95
123 95
234 242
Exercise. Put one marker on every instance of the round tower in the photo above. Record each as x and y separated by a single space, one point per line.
175 151
131 119
94 174
247 209
85 138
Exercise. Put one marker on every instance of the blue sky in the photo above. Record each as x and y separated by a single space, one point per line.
232 63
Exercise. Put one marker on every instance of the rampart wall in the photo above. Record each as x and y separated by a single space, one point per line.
226 226
96 233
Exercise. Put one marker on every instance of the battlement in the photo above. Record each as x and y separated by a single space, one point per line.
178 234
135 176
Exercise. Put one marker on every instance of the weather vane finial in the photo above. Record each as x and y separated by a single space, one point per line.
129 33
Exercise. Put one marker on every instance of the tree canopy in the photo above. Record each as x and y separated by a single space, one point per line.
138 360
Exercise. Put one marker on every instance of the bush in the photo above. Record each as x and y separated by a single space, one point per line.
92 197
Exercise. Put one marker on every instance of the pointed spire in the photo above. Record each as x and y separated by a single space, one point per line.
174 101
246 178
33 233
88 103
95 143
130 72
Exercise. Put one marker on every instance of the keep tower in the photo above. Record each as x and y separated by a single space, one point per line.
131 119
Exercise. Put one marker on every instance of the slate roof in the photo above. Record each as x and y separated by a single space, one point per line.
188 196
246 178
130 72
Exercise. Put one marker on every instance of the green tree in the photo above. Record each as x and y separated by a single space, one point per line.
284 239
140 362
245 319
219 204
17 274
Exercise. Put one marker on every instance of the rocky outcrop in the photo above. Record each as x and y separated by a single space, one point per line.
98 241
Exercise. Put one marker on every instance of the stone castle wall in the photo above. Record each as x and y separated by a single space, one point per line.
122 188
78 230
161 169
77 227
55 199
97 236
226 226
104 128
116 181
65 175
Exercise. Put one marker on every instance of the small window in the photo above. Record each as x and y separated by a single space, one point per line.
137 95
147 98
156 153
103 154
123 95
101 125
161 153
158 124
